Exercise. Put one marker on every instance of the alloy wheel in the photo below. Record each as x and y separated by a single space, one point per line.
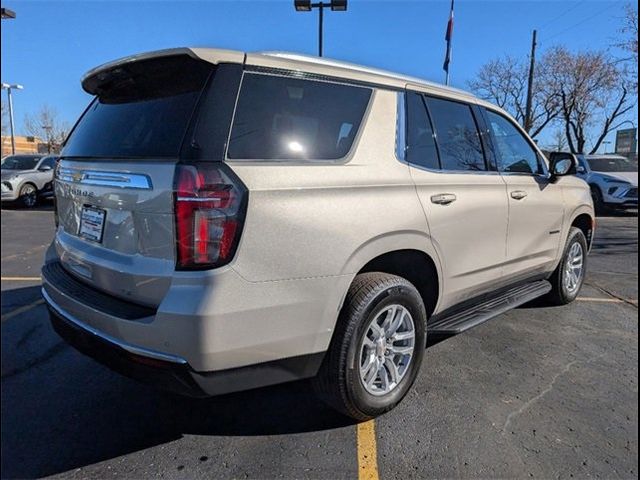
387 349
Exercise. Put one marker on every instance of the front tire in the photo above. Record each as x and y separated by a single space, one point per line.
598 200
28 195
377 347
568 278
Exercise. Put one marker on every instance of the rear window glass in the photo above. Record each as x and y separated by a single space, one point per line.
284 118
141 110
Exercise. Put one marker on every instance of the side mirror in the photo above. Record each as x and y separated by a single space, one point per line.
563 164
45 168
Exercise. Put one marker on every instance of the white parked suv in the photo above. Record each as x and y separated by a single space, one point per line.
228 221
613 180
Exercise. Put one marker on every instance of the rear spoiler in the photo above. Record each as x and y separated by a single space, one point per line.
96 77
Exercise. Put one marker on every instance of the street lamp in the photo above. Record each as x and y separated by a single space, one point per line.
8 88
306 6
7 14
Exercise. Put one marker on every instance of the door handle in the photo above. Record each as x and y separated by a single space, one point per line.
518 194
443 198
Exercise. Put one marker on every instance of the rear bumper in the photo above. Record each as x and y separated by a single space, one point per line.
166 372
169 372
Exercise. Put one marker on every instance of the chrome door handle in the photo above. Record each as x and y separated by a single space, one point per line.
518 194
443 198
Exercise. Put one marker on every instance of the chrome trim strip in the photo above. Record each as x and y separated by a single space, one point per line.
104 179
108 338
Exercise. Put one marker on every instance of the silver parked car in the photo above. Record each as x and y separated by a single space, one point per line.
26 178
228 221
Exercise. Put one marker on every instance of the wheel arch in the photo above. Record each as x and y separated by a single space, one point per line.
408 254
585 221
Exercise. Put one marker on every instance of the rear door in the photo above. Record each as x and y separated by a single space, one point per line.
114 182
463 199
536 205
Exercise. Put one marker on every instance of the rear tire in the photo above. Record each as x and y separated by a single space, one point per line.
357 352
566 281
28 195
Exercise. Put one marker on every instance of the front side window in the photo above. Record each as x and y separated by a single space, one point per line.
285 118
421 145
515 153
457 135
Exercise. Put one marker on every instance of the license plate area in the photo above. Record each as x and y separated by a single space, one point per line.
92 223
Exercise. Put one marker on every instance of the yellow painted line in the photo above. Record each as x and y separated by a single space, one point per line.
19 310
20 279
367 451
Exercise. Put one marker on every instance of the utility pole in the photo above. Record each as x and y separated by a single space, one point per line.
527 116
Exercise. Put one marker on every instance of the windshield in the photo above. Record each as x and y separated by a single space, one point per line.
19 162
141 110
612 164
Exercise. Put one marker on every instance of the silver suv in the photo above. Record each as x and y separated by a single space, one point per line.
228 221
613 180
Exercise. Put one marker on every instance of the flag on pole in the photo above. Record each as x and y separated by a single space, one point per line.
448 37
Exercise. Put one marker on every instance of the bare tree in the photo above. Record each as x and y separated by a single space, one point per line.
45 125
503 81
558 141
594 96
629 43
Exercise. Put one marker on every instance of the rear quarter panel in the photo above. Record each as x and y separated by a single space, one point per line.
322 219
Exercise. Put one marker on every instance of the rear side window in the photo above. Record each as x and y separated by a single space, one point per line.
457 135
421 145
141 110
515 153
284 118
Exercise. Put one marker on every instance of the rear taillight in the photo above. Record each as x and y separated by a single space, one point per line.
210 204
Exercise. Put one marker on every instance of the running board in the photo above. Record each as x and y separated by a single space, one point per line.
460 321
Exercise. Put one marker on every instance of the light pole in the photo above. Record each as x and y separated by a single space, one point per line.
306 6
8 88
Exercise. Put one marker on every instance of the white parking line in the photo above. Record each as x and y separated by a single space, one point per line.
20 279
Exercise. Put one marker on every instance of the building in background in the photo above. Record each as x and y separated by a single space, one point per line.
23 145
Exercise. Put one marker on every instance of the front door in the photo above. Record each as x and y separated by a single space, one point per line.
536 207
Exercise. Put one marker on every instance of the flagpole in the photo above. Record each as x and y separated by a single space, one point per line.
449 40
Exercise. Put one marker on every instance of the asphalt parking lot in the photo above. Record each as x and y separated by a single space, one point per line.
538 392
